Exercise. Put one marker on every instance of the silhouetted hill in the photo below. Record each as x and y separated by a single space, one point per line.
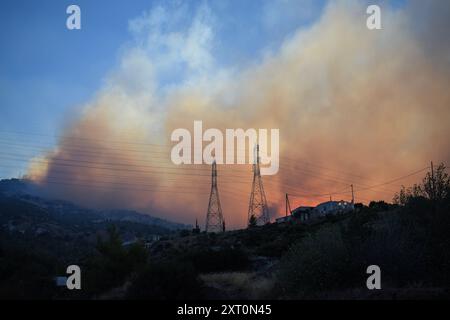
39 238
124 255
14 187
134 216
25 191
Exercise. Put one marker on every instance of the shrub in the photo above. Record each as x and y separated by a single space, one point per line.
317 263
335 258
172 279
226 259
113 263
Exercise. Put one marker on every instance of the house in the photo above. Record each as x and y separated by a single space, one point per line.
155 237
332 207
305 213
302 213
283 219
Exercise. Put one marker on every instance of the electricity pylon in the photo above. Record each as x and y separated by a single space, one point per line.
214 217
258 203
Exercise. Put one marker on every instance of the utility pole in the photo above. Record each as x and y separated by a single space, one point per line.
258 204
197 228
288 205
433 185
214 217
353 196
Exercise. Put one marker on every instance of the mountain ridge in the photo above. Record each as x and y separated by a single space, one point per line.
24 190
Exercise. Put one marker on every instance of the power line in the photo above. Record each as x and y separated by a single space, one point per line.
169 146
337 180
236 170
117 186
63 164
113 185
128 142
56 161
394 180
375 186
70 164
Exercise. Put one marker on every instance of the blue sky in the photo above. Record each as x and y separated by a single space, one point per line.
47 72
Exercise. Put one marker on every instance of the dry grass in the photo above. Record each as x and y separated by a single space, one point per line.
243 285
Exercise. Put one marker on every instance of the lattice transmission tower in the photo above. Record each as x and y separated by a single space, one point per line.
214 217
258 203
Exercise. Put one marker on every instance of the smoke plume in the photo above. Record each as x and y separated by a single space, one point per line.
353 106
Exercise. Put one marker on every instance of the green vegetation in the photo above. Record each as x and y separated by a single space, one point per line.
112 263
171 279
410 242
252 221
176 275
325 258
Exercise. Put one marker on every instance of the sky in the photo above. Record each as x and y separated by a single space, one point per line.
48 71
138 69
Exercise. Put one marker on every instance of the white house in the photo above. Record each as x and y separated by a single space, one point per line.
305 213
332 207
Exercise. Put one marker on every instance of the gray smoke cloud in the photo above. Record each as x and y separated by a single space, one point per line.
352 105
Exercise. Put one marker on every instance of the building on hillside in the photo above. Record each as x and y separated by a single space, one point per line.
299 214
332 207
305 213
302 213
284 219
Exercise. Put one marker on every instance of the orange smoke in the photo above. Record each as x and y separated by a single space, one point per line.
353 107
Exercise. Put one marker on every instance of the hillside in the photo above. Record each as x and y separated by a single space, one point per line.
24 191
39 238
323 258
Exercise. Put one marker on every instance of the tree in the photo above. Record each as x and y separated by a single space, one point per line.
252 221
435 186
112 247
440 186
113 262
